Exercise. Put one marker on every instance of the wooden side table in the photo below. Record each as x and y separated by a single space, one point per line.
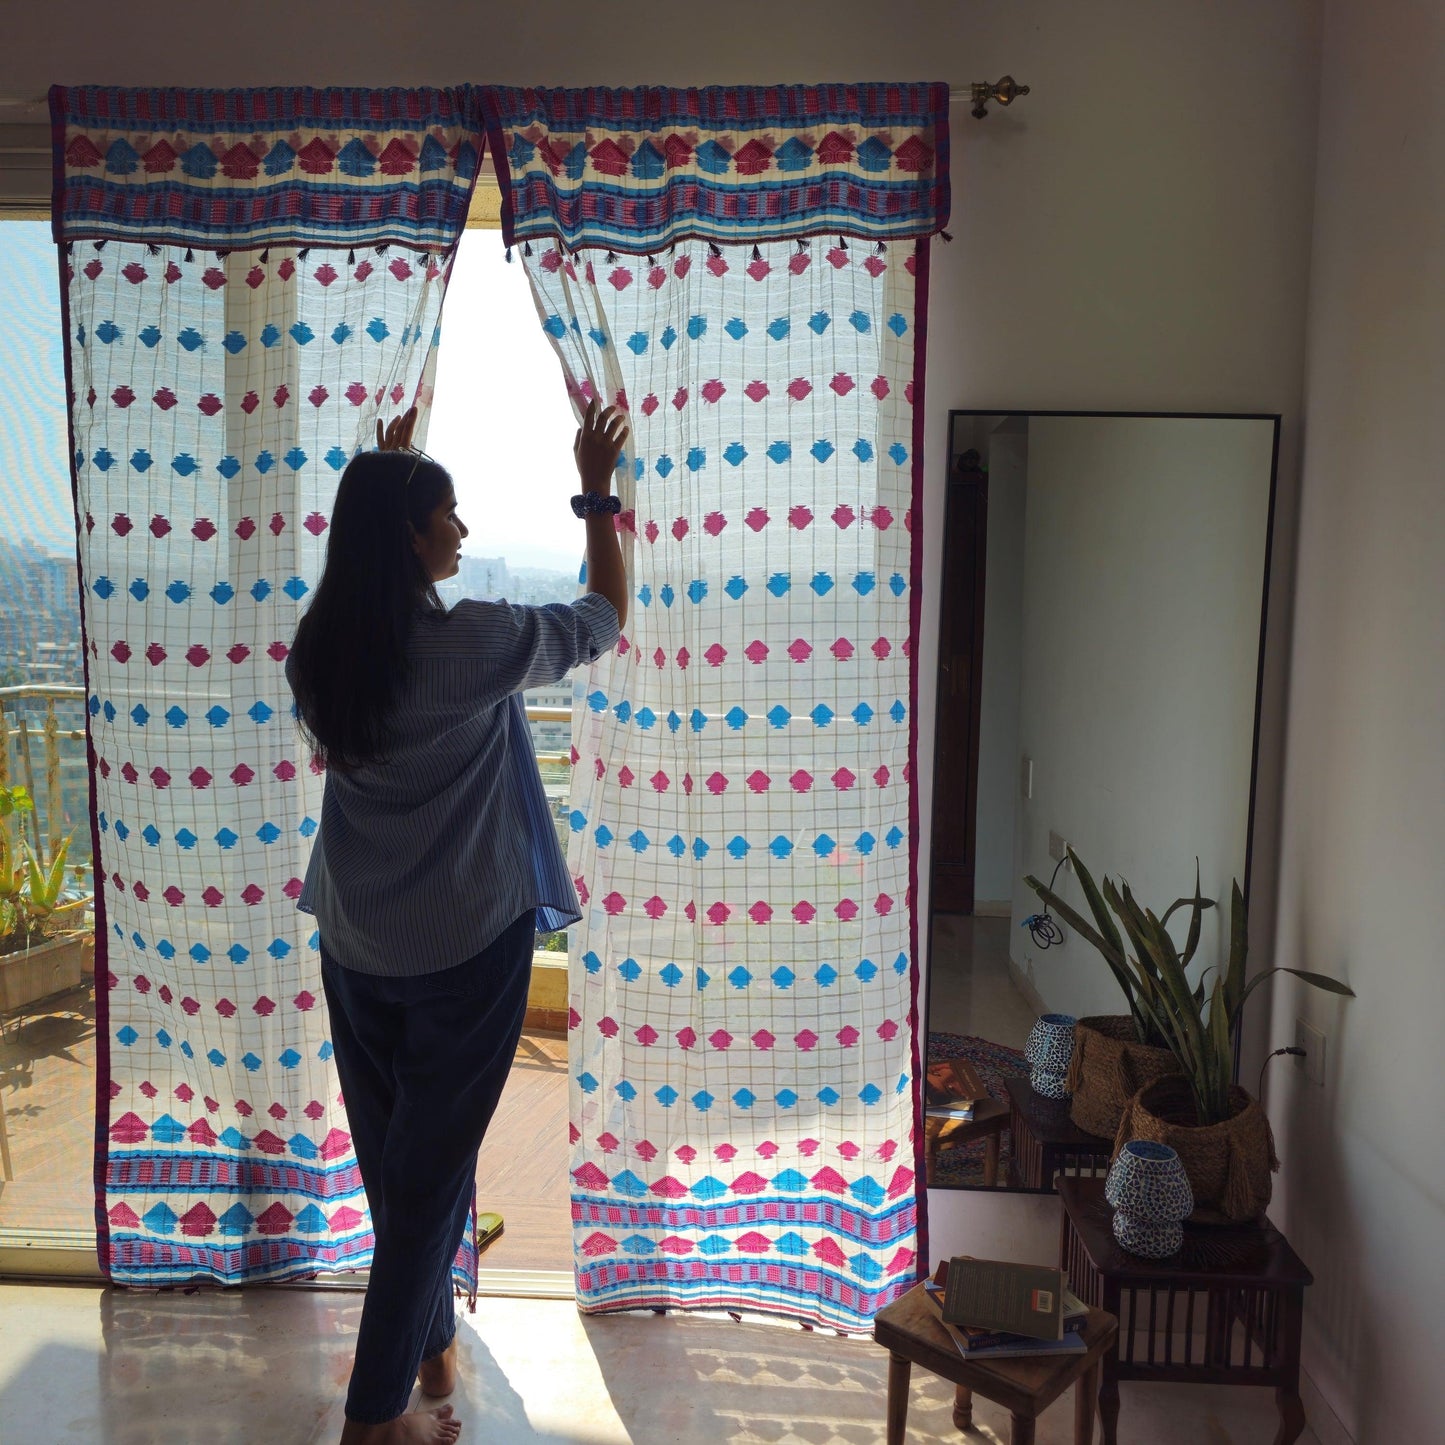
910 1330
1047 1143
1245 1281
989 1120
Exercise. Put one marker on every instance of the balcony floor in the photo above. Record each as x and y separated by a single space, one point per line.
47 1088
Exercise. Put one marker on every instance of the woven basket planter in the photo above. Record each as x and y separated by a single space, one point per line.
1109 1067
1229 1164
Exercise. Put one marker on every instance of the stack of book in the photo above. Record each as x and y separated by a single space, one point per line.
951 1088
993 1310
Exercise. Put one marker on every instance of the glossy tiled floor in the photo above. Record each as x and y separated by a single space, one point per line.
971 990
268 1367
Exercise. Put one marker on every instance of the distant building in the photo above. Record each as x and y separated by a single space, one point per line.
484 578
39 613
552 737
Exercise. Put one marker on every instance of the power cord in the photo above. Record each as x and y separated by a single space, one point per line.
1042 927
1299 1053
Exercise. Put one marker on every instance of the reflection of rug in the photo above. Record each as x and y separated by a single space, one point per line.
995 1063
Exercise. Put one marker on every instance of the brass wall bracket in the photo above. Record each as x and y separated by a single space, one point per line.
1005 92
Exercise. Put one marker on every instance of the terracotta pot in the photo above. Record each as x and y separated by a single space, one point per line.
1109 1067
1229 1164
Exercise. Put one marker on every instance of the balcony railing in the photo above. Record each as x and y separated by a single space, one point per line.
19 735
31 754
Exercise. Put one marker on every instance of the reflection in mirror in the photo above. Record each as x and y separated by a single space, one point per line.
1099 651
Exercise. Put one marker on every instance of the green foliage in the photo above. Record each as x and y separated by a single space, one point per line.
32 891
1196 1025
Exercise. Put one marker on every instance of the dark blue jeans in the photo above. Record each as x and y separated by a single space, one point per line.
422 1062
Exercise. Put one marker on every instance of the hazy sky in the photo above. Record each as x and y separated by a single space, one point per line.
501 423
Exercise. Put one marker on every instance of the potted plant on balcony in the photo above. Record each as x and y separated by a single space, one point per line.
1218 1129
38 955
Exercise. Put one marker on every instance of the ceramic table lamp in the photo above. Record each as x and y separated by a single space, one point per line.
1048 1051
1151 1196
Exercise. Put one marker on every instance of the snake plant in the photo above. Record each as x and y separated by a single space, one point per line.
1196 1024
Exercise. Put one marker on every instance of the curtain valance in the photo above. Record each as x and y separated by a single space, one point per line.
630 170
637 170
243 169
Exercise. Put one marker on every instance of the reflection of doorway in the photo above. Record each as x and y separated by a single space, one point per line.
960 679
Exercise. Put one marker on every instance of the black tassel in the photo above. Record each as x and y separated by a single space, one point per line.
802 246
351 257
757 255
509 255
650 259
882 249
153 249
303 253
221 255
611 258
100 245
526 248
946 235
190 255
714 249
843 243
382 249
70 248
265 255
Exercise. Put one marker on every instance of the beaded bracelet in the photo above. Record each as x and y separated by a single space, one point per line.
591 504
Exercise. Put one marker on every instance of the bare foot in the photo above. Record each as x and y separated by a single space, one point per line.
438 1375
421 1427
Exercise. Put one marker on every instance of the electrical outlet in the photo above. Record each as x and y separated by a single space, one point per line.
1058 847
1312 1041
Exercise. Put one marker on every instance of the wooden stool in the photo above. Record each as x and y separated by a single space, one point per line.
910 1330
990 1118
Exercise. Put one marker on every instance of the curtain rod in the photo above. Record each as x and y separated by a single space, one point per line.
978 94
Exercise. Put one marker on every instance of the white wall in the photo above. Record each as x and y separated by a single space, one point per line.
1132 235
1362 1190
1143 568
1003 620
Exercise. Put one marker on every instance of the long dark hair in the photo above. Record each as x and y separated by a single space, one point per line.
350 648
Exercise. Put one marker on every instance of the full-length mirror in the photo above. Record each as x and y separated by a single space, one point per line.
1099 651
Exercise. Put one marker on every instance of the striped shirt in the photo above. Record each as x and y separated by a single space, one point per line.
423 860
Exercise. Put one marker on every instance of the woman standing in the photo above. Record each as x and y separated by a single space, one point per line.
435 865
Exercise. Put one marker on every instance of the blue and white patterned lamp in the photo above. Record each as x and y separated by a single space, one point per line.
1151 1196
1048 1051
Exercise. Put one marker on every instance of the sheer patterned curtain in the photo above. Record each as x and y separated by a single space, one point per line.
249 278
744 272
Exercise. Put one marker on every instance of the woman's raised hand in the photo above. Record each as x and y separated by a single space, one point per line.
598 446
395 436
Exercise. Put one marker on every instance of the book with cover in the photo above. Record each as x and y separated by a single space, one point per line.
952 1084
1024 1299
975 1344
974 1340
1020 1346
